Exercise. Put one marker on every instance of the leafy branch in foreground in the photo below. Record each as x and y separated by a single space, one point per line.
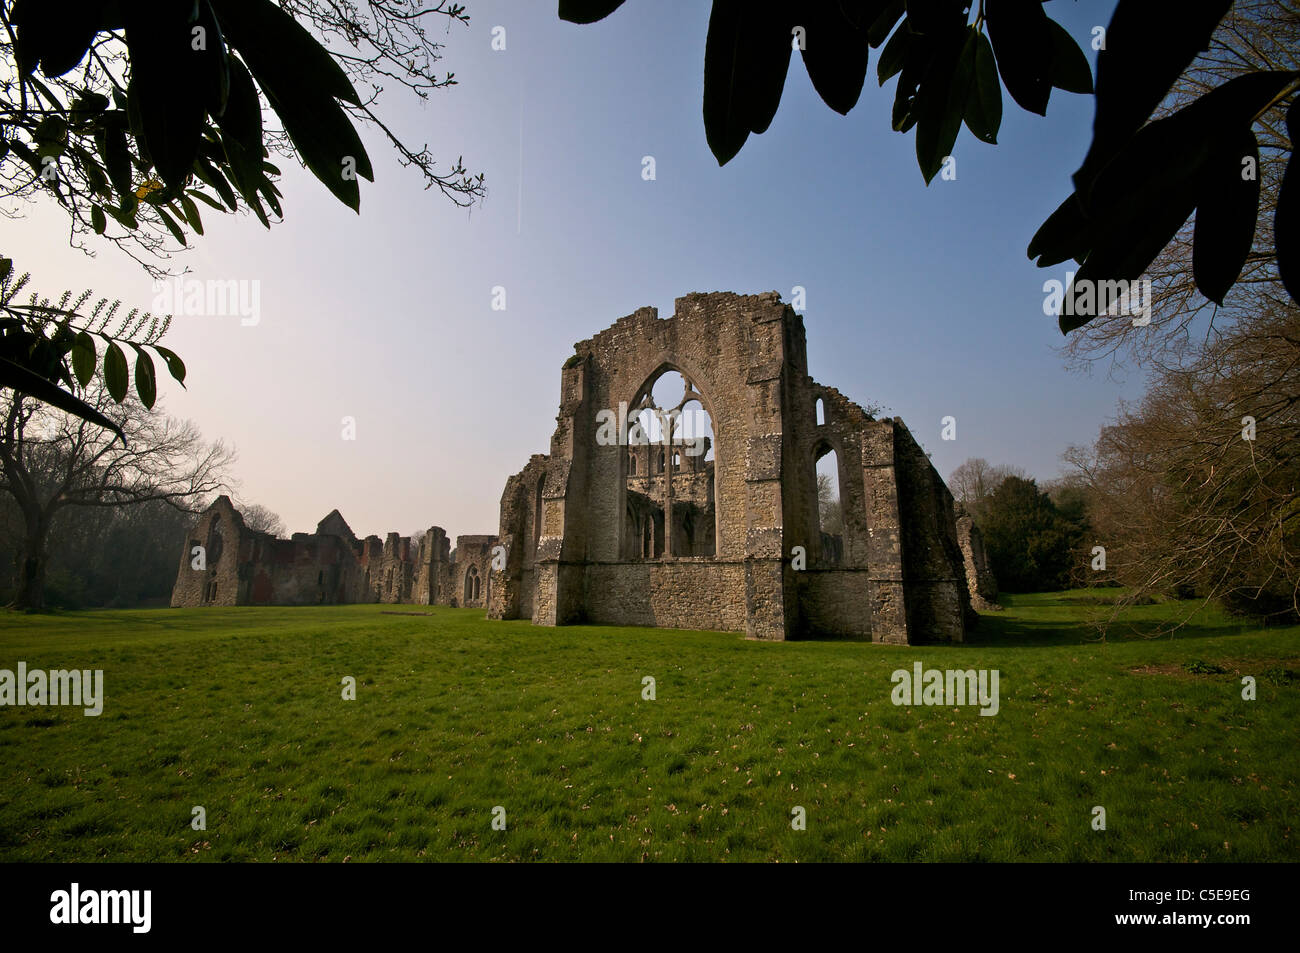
41 347
1140 181
950 69
133 115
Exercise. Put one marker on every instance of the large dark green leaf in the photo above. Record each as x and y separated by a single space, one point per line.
216 88
146 381
863 13
165 75
1022 39
984 103
835 54
1190 133
111 140
724 131
301 81
746 57
587 11
241 129
1148 45
893 55
191 212
172 227
1140 200
1070 70
327 142
206 199
175 366
83 358
210 175
942 100
915 68
1066 234
881 26
279 50
55 35
115 372
1226 213
26 381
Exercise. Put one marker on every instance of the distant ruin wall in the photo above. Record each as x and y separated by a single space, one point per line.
240 567
980 581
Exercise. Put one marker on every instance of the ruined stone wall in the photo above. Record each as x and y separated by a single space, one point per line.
304 570
514 587
433 569
326 567
980 581
673 594
854 589
889 576
471 578
220 531
731 348
934 574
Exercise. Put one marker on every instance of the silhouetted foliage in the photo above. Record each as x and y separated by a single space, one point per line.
1030 544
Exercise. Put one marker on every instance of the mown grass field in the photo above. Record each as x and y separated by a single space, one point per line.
240 711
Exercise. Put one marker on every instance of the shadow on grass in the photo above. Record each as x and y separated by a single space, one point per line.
1045 620
1143 623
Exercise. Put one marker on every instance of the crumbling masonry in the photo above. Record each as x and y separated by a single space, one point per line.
224 563
980 582
607 529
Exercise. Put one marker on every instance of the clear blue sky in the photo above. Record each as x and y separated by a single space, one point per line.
918 298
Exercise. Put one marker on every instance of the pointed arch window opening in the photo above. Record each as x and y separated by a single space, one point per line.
676 516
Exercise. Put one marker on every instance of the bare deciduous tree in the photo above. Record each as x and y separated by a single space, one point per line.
51 462
260 519
973 481
1197 486
828 506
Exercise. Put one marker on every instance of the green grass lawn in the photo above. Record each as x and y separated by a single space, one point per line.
240 711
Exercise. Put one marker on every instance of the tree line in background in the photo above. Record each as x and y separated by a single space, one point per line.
1033 537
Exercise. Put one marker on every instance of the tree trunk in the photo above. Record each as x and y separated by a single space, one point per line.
31 575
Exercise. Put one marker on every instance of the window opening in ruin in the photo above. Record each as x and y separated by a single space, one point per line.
673 510
215 542
830 517
821 412
537 514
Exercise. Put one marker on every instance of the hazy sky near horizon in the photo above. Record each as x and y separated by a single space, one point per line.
920 299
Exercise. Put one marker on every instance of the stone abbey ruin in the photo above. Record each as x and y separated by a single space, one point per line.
631 520
238 566
607 528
